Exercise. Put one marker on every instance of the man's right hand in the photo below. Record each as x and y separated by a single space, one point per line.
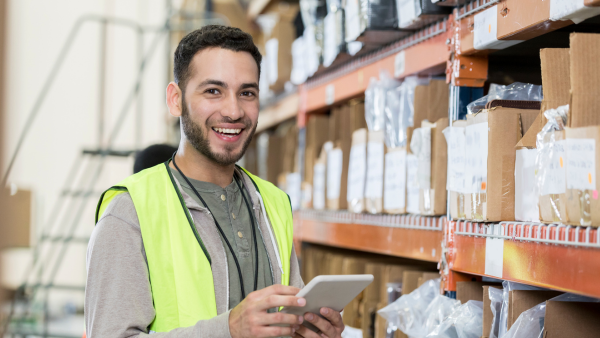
249 319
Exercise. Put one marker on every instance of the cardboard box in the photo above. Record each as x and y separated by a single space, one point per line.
410 281
520 301
351 315
427 276
571 319
274 163
506 126
456 169
368 311
585 76
488 316
17 217
583 205
394 184
466 291
421 105
439 172
317 127
555 64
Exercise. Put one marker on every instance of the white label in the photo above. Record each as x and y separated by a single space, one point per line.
298 75
412 184
476 141
272 50
394 193
406 12
526 197
330 94
293 189
334 173
319 186
574 10
330 49
553 172
374 185
350 332
357 172
399 64
486 28
494 256
352 20
581 164
456 140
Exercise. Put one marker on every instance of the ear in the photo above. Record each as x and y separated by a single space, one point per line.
174 99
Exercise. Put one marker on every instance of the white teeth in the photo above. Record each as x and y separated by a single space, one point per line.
227 131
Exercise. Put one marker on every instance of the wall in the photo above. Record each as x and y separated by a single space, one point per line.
68 120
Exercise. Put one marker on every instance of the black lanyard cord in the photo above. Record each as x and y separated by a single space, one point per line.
253 235
237 264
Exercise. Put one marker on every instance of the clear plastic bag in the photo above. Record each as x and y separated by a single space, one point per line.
466 321
399 111
509 286
515 91
378 14
530 323
410 312
496 306
375 96
438 310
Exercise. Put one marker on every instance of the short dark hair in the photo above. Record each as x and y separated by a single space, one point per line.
206 37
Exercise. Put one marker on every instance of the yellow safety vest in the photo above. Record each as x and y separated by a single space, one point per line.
179 265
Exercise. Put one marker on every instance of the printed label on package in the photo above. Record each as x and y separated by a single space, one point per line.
394 193
319 186
553 171
581 164
334 173
407 12
412 184
374 185
357 172
476 140
456 140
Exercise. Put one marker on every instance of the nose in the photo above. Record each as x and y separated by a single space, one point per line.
232 108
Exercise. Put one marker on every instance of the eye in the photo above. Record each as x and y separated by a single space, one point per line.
248 93
213 91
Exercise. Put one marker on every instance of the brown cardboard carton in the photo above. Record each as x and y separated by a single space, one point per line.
369 311
585 76
583 206
274 163
506 126
427 276
18 220
571 319
421 105
353 266
556 65
381 325
439 172
466 291
488 316
316 135
410 281
438 100
523 300
373 291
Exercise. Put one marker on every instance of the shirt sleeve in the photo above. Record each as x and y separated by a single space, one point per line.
118 297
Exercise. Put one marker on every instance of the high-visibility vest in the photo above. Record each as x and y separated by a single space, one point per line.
178 263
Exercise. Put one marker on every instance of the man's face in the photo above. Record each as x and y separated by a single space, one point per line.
220 104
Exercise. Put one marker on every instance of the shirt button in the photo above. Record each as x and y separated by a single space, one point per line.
240 235
223 197
233 215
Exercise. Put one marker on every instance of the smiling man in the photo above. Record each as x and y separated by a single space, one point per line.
198 247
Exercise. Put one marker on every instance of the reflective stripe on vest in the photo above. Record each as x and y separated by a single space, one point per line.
178 263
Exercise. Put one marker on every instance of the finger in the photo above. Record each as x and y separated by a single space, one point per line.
273 331
279 318
334 317
278 300
307 333
322 324
277 289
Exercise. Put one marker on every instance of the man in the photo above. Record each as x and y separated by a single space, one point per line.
197 247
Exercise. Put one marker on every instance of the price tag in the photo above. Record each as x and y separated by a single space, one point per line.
395 180
357 171
374 186
399 64
494 256
334 173
330 94
581 164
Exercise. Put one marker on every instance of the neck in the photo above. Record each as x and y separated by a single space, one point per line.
196 166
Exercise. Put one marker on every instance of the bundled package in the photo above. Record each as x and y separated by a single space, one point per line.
334 40
415 14
514 92
357 171
394 191
320 178
378 15
456 183
491 136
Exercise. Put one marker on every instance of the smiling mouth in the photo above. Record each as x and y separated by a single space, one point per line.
227 132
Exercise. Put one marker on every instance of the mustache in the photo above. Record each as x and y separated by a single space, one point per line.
246 121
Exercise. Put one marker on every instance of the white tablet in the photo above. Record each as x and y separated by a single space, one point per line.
332 291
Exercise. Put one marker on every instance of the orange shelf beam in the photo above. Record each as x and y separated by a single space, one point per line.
408 243
565 268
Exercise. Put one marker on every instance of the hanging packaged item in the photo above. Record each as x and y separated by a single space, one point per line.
357 171
415 14
320 178
514 92
334 42
378 15
492 306
491 136
394 199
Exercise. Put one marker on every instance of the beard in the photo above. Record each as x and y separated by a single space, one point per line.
198 138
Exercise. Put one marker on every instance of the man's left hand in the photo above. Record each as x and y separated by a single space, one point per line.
330 327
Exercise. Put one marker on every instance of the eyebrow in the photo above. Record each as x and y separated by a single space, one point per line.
213 82
249 85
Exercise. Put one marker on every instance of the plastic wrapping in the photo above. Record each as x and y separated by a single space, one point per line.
551 173
466 321
395 129
408 12
440 308
375 96
409 313
496 306
334 41
357 172
530 323
507 287
377 14
515 91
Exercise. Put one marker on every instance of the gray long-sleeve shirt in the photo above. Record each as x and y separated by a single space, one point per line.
118 299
